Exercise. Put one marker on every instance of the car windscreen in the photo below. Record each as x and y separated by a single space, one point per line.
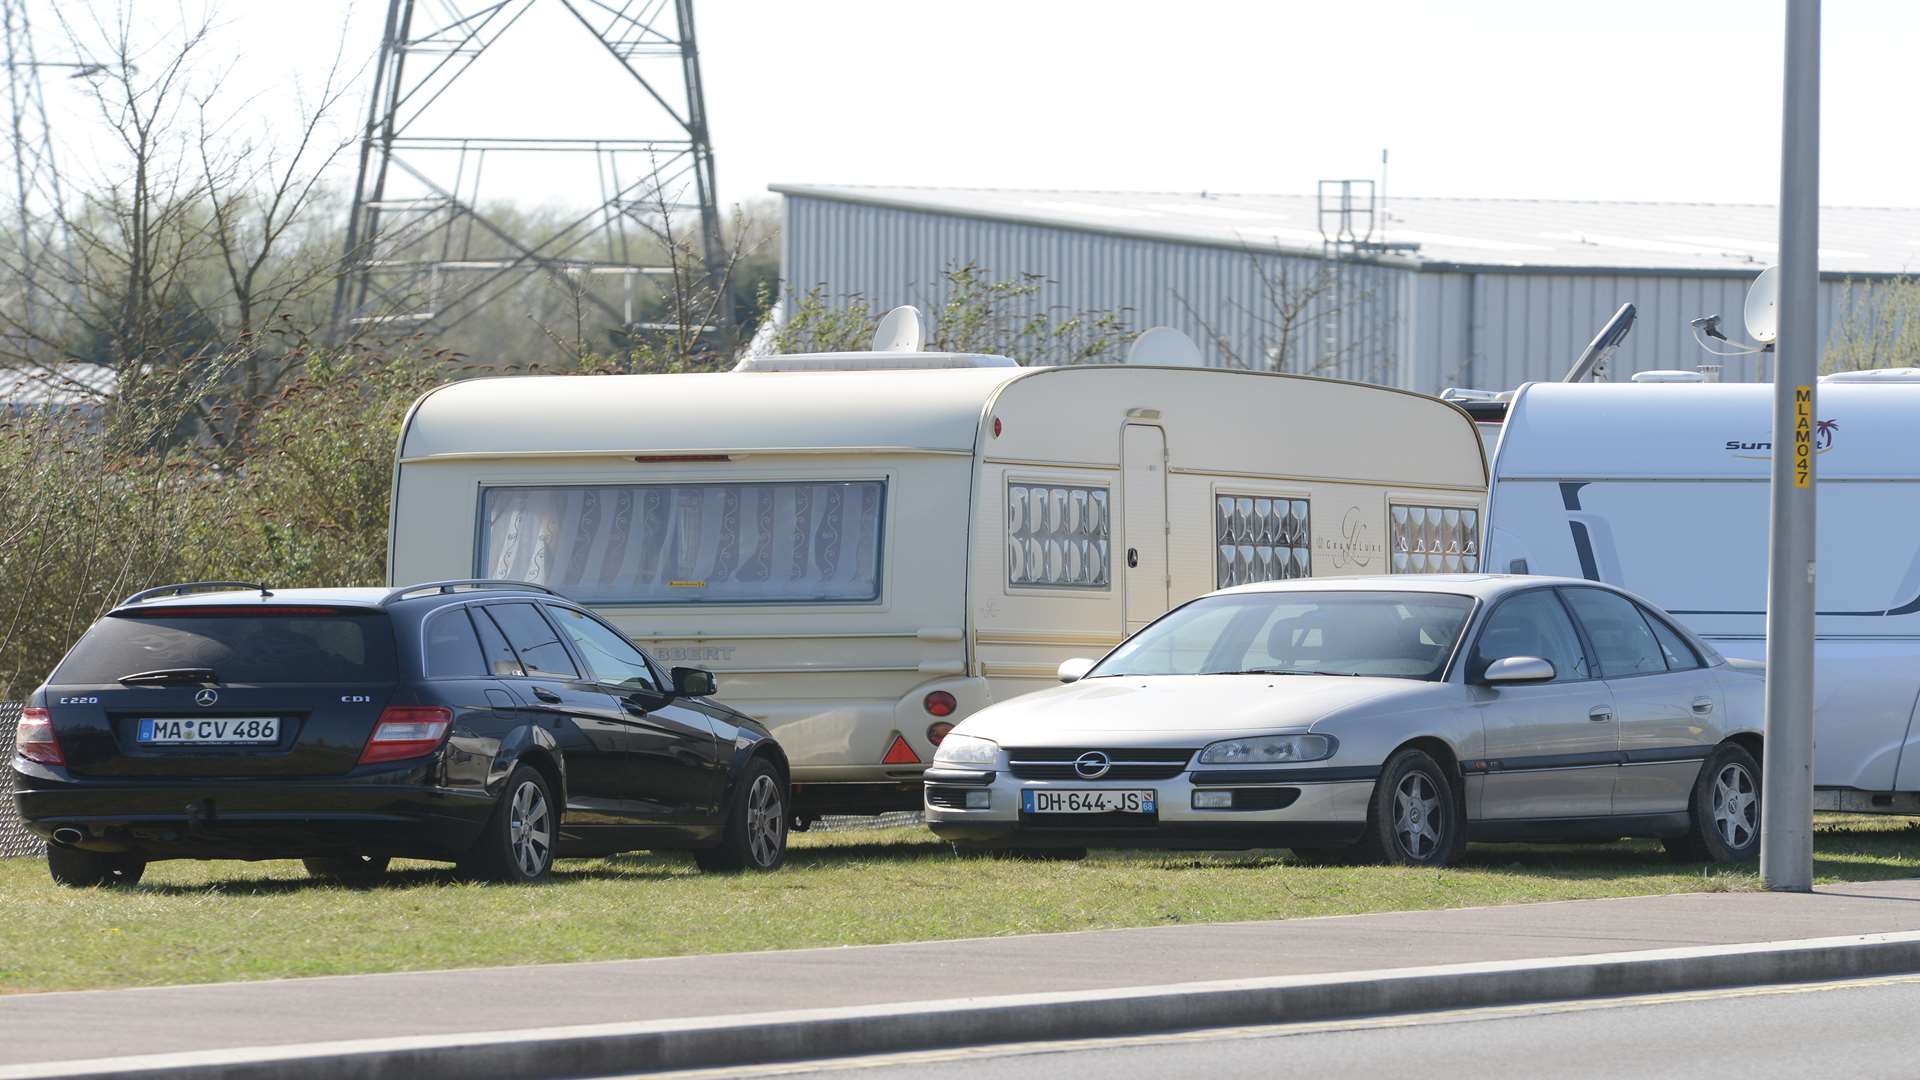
1407 635
238 645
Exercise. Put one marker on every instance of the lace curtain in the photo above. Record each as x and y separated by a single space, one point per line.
689 543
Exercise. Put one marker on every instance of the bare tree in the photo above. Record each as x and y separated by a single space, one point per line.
198 230
1308 319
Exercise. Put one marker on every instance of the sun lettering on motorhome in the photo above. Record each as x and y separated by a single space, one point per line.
1823 434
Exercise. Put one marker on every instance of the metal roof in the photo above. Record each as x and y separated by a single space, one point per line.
1517 234
64 384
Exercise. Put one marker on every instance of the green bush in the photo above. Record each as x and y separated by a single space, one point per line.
91 512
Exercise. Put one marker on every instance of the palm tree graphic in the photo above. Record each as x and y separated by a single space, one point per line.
1823 434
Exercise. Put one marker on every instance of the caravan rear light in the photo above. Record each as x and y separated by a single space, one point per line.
33 738
407 732
940 703
937 731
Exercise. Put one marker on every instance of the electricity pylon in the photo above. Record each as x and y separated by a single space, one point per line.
426 246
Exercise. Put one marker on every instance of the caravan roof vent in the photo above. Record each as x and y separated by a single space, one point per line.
1669 376
1875 375
870 361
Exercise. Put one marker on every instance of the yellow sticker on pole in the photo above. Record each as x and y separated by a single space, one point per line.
1802 436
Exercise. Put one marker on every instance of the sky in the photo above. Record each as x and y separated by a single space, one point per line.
1674 100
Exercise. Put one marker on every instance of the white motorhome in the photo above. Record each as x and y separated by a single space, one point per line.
868 547
1662 488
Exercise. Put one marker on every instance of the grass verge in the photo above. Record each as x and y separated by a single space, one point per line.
203 922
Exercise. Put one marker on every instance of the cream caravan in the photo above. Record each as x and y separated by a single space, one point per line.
869 547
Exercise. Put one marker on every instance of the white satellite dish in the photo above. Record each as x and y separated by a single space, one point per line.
900 330
1761 320
1166 347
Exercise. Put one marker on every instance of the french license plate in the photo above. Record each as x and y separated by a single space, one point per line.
1099 801
209 731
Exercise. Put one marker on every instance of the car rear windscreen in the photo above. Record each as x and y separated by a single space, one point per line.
301 645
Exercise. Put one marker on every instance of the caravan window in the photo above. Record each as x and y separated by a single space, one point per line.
1435 539
1259 538
720 543
1057 537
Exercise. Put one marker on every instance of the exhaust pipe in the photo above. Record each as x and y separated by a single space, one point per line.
68 835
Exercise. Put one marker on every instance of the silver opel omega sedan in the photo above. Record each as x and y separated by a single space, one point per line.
1386 718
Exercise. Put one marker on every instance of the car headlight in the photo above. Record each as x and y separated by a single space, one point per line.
958 749
1268 750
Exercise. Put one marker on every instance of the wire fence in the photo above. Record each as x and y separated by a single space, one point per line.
15 840
14 837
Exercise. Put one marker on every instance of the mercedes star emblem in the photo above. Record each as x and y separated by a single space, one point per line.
206 697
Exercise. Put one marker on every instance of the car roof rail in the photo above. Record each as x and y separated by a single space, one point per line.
193 586
429 588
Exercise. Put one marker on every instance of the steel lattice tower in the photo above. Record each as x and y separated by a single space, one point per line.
421 245
44 241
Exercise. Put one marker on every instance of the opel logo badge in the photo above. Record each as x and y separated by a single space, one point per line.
206 698
1091 765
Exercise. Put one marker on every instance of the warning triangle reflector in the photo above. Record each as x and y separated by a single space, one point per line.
900 753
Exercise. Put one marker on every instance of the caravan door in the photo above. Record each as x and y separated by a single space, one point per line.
1143 464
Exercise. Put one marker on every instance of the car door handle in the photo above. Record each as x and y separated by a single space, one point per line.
546 695
1703 706
1600 713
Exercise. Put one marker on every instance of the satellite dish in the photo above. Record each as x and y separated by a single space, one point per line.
1761 320
900 330
1166 347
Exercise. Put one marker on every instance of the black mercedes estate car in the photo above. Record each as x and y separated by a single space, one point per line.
493 724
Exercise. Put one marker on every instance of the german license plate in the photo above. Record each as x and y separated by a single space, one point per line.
209 731
1098 801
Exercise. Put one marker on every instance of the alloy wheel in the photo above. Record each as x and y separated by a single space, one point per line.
766 821
1736 806
530 829
1416 815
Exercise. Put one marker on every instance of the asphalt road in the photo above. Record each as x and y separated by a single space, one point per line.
1861 1029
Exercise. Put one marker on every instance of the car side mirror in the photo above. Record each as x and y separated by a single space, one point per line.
1518 669
1075 669
694 682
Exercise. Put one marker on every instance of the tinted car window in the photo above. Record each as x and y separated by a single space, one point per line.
1532 624
1679 655
493 645
452 649
534 639
249 647
1620 637
612 659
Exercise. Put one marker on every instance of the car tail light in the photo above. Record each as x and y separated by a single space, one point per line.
937 731
939 703
407 731
33 738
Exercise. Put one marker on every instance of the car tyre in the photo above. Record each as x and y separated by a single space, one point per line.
1724 810
1415 818
80 869
516 846
349 870
756 834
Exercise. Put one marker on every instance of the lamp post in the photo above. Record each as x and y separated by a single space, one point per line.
1786 808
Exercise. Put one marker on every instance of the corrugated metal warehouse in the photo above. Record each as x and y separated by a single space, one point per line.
1445 292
